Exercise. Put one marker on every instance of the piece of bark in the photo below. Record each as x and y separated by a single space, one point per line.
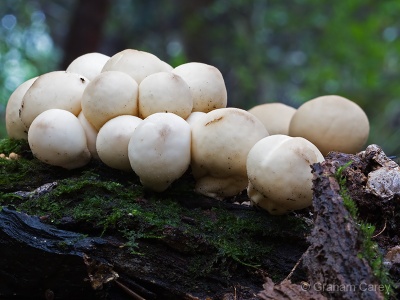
38 260
332 261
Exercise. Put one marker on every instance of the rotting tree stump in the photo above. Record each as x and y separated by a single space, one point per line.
94 233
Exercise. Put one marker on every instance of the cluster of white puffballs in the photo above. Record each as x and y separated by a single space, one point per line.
134 111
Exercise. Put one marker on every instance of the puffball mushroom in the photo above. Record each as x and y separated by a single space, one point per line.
56 137
206 85
279 173
113 139
91 134
221 141
164 92
275 116
88 65
194 116
137 64
108 95
159 150
332 123
58 89
16 129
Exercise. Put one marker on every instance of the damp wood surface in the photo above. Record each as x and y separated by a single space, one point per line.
95 233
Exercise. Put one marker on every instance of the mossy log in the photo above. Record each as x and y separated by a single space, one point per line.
95 233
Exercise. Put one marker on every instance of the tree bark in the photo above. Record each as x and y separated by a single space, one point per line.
85 32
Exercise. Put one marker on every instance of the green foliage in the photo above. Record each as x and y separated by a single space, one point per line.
369 249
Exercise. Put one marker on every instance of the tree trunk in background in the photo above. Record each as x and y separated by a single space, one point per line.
195 31
85 33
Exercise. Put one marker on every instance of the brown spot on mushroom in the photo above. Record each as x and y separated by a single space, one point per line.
214 121
82 80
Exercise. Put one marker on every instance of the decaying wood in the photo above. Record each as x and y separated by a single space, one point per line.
332 261
41 261
38 259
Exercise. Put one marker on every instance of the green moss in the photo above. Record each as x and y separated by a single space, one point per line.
369 248
11 145
25 172
86 198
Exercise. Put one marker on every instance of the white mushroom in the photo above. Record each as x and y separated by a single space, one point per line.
164 92
221 141
88 65
159 150
275 116
108 95
279 172
56 137
194 116
91 134
206 84
138 64
58 89
113 139
15 128
332 123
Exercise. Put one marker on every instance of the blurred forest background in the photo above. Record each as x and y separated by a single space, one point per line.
268 51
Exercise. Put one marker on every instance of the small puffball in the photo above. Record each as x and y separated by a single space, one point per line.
113 139
135 63
13 156
159 150
164 92
275 116
56 137
332 123
221 141
279 173
88 65
58 89
91 134
109 95
16 129
206 85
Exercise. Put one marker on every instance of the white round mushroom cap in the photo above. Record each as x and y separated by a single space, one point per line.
206 84
279 172
137 64
16 129
56 137
91 134
113 139
164 92
108 95
275 116
58 89
221 141
194 116
88 65
332 123
159 150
